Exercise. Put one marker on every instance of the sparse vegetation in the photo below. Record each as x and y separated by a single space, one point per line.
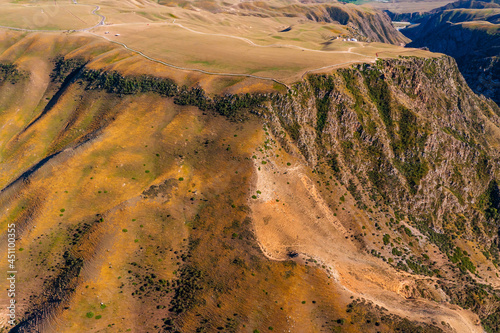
197 245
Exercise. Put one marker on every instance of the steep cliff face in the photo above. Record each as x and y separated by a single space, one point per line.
411 133
469 31
476 52
417 16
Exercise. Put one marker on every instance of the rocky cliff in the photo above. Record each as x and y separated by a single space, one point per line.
402 128
408 137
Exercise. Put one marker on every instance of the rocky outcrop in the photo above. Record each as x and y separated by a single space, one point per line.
409 135
412 133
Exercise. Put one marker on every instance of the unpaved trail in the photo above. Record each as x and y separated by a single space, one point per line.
335 65
290 214
311 188
191 69
141 53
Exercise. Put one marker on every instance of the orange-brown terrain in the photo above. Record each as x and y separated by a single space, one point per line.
154 191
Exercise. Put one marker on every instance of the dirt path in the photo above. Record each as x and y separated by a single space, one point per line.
191 69
333 66
311 188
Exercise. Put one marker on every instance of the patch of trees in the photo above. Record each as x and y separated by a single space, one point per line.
418 268
228 105
489 201
491 323
333 163
349 76
293 130
461 259
65 67
408 132
323 86
430 68
442 240
149 285
10 72
386 239
445 243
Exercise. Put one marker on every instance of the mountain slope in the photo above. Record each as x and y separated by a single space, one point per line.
461 4
149 206
410 141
